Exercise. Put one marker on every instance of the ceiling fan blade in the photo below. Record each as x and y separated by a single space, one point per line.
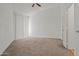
38 4
33 5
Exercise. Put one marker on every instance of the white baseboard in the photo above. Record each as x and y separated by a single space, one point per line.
43 37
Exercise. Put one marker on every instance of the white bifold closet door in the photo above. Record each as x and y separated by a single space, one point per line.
65 29
21 27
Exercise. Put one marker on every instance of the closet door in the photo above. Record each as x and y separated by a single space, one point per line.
71 27
65 29
19 26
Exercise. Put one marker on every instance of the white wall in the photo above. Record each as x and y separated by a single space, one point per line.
46 23
6 26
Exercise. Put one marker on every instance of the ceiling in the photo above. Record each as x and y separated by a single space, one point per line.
27 7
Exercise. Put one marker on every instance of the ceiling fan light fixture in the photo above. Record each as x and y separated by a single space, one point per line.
33 5
36 4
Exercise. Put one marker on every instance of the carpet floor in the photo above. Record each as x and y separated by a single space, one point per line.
36 47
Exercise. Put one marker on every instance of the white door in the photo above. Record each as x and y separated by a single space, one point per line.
71 27
26 26
19 26
68 28
65 29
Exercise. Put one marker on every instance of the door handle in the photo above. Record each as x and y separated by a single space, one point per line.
77 31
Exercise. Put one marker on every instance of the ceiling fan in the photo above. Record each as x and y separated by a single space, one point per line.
36 4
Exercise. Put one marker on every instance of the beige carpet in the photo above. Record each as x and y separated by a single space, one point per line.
36 47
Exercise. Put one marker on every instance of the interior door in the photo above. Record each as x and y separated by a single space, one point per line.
65 30
71 27
19 26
